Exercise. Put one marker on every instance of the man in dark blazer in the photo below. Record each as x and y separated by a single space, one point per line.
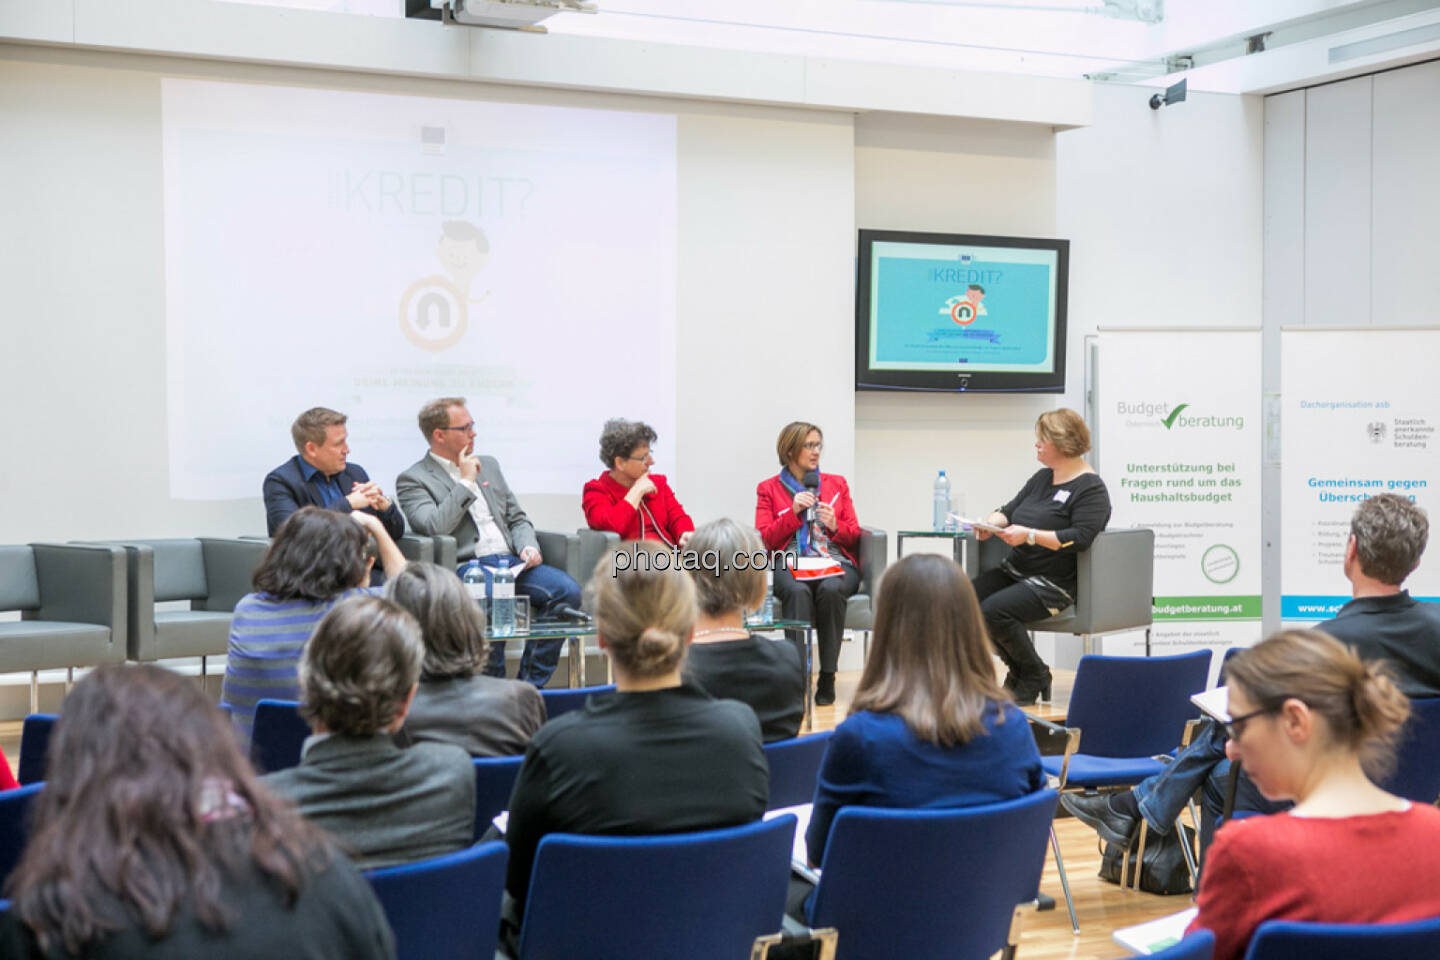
451 491
319 476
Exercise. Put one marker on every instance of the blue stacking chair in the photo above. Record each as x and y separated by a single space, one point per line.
494 780
561 701
15 825
445 908
1290 940
1199 945
1132 712
702 896
279 734
883 868
794 764
35 746
1417 756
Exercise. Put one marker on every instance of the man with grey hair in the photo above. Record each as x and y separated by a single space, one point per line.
1382 622
319 475
451 491
385 804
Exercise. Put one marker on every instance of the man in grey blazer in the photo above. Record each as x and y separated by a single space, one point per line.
452 491
386 805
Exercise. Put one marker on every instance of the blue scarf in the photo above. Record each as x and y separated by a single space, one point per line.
804 538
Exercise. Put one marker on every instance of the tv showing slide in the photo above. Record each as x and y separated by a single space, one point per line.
957 312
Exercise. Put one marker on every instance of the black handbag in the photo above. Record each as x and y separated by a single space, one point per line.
1164 870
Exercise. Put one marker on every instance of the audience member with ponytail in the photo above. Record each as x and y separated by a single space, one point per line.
658 755
1312 722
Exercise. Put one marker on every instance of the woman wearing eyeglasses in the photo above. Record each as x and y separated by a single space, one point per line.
815 520
1311 722
627 498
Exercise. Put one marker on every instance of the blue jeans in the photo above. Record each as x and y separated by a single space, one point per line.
549 589
1202 764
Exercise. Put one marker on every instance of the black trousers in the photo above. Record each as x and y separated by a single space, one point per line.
1008 605
822 603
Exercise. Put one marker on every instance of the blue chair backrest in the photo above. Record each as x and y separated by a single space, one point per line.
1417 756
1135 706
494 780
702 896
15 808
883 870
279 734
794 764
1199 945
561 701
35 746
1290 940
445 908
1230 654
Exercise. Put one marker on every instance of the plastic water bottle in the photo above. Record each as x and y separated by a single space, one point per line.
473 576
502 601
941 514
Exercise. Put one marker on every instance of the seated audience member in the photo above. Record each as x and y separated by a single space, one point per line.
724 659
318 557
153 838
384 803
486 716
1388 534
453 491
319 476
1309 721
627 498
816 525
658 755
929 726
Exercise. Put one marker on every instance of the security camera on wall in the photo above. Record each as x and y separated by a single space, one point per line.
502 14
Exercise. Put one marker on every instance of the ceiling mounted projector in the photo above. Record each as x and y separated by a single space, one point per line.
504 14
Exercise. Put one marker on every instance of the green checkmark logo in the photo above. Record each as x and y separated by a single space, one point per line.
1170 420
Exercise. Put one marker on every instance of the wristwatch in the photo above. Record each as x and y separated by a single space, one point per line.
1030 537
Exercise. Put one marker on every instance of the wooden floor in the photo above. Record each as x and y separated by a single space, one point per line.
1100 907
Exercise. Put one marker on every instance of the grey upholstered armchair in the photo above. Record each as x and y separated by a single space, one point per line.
71 599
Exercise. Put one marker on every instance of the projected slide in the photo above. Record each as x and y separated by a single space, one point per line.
986 308
369 252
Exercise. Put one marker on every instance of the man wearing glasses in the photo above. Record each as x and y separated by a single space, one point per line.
451 491
1387 537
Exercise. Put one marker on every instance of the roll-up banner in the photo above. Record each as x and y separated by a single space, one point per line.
1180 450
1359 411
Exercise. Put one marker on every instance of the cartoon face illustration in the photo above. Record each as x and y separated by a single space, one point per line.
975 293
463 251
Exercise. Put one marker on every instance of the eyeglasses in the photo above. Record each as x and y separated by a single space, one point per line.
1236 725
643 459
815 445
463 428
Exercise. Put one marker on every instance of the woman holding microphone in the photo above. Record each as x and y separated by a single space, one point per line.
807 512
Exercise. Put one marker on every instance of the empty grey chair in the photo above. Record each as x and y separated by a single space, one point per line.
71 599
211 573
1115 588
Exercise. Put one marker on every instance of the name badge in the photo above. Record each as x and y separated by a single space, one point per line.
1062 495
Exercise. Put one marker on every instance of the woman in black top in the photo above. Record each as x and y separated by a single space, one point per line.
724 658
1054 516
658 755
153 838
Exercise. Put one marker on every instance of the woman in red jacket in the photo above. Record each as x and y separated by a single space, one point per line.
628 499
827 572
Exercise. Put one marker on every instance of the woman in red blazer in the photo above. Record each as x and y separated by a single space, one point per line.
780 503
628 499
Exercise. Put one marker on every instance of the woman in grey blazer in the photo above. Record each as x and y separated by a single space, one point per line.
456 703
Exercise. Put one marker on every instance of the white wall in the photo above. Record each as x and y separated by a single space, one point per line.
765 234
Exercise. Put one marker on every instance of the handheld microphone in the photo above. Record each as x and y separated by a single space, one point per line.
812 486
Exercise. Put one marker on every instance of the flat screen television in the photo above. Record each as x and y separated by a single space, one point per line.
958 312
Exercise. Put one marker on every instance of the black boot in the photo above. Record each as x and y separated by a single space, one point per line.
825 689
1034 687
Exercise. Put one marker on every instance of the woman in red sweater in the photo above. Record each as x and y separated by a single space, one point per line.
628 499
1307 717
827 573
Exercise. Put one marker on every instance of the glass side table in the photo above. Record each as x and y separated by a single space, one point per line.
963 544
